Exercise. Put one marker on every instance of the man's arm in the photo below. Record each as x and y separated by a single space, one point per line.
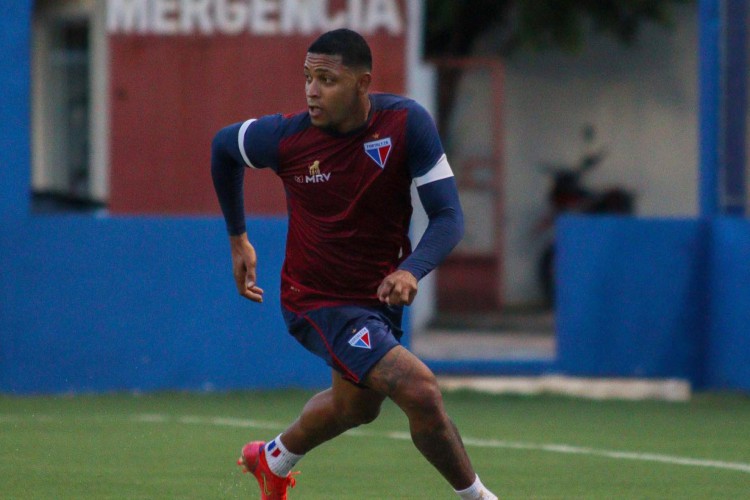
227 172
444 230
244 261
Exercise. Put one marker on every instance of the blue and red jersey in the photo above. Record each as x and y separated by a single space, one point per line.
348 196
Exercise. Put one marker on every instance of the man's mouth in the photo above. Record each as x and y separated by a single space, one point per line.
314 111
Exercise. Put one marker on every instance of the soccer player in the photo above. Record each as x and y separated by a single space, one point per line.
347 164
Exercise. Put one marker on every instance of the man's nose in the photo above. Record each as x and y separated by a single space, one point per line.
312 89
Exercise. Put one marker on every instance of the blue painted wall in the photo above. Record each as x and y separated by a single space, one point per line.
655 298
627 300
728 343
15 105
99 304
630 297
140 304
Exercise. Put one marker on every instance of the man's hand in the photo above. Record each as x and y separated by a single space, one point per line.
398 288
243 268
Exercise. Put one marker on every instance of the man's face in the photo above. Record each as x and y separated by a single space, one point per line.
334 92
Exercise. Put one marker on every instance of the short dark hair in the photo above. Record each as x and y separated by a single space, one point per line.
348 44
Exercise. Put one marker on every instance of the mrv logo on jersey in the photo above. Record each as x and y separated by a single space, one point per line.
314 175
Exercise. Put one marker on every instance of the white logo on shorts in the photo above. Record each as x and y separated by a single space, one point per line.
361 339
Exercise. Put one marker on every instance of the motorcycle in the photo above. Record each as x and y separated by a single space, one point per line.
568 193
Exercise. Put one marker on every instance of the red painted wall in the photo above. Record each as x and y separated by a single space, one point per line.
170 94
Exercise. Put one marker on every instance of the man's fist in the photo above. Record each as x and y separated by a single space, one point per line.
398 288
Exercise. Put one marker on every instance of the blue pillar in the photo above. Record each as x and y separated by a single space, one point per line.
735 108
723 107
15 114
710 108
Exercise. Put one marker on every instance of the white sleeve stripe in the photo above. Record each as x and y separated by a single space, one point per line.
441 170
241 140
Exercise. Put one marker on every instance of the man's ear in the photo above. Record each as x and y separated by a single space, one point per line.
363 82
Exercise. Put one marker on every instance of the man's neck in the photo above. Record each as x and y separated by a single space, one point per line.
361 115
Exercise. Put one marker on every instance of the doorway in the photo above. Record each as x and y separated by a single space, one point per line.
472 321
69 93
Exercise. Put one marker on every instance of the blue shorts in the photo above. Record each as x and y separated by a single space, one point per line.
350 339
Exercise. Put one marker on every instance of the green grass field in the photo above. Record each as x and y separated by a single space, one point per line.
184 446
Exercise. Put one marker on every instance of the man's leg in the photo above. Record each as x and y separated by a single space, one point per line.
328 414
325 416
401 376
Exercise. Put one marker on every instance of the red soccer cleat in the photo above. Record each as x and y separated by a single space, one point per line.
253 460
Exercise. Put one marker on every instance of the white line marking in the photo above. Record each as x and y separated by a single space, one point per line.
624 455
161 418
404 436
480 443
151 418
229 422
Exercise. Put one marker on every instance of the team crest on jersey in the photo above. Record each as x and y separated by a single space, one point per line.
361 339
379 151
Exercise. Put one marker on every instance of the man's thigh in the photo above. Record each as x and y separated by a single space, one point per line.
349 339
398 372
355 398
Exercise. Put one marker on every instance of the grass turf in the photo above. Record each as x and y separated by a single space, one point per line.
184 446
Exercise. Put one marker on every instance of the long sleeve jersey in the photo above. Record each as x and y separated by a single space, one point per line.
348 197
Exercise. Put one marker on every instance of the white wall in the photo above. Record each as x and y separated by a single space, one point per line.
644 105
420 85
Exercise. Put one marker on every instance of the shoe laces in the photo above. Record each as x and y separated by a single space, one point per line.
290 479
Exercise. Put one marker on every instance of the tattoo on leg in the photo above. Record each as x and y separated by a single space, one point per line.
391 371
411 385
443 448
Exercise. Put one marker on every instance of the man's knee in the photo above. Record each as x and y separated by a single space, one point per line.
422 395
408 382
357 408
354 412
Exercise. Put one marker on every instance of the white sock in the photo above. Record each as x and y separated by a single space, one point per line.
280 460
476 491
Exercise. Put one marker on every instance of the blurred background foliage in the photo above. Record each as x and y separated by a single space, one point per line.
452 26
